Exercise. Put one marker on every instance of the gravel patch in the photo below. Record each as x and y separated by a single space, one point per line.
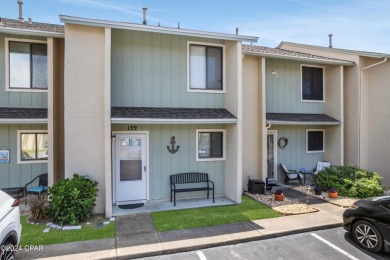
341 201
286 207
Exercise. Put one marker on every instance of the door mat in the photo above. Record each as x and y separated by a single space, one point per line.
131 206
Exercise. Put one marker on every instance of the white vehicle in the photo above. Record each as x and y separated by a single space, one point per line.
10 227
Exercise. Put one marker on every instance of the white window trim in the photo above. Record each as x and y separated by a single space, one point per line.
6 55
323 140
323 84
189 89
223 144
18 132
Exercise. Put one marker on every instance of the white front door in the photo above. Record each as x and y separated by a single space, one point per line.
130 168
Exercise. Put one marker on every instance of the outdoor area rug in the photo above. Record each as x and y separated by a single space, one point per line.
131 206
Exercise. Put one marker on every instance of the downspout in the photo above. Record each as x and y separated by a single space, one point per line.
361 108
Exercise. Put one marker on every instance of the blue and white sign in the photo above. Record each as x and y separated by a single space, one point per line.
4 156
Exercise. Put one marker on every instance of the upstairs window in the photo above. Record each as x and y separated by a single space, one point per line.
27 65
210 144
312 83
205 67
315 140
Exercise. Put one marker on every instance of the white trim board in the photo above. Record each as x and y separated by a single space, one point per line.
171 121
157 29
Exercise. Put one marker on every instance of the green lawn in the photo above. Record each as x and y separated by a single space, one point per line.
33 234
212 216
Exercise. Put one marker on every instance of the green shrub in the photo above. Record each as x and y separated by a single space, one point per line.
350 181
72 200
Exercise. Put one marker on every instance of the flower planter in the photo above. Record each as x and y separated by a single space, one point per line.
333 195
317 190
279 197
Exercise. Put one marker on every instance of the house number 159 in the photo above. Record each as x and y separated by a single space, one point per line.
132 127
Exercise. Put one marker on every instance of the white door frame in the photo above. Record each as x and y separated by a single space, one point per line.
275 134
113 152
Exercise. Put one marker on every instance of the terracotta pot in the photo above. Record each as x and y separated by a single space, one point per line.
279 197
333 195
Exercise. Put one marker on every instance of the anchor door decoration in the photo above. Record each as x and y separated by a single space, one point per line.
172 149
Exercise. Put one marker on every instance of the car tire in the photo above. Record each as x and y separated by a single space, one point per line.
368 236
7 251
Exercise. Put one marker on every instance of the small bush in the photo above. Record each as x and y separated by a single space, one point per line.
72 200
350 181
37 208
279 192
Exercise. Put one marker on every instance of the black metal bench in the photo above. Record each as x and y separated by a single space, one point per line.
190 177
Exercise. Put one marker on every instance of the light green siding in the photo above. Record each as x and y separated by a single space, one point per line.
294 156
163 164
283 93
13 98
150 70
13 174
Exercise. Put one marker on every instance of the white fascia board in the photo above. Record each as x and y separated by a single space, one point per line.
31 32
171 121
157 29
314 47
296 58
301 123
23 121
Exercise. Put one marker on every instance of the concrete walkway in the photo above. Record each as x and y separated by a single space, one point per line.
137 237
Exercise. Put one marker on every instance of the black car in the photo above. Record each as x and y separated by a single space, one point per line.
369 222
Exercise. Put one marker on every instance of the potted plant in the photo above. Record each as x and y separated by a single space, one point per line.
279 196
333 193
317 190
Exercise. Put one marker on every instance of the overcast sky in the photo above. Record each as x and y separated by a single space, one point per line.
355 24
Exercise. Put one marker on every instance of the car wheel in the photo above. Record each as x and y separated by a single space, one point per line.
367 235
7 251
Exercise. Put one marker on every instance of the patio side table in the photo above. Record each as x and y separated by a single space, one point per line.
304 173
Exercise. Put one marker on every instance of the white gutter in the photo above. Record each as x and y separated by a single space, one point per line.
157 29
306 59
171 121
301 123
360 121
24 121
31 32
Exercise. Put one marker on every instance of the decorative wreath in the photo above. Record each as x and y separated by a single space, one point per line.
282 142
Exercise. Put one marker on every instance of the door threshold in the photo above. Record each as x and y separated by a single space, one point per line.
129 202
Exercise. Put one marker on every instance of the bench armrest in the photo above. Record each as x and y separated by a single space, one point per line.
211 183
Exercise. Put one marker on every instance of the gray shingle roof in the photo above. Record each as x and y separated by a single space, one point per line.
333 49
23 113
44 27
281 52
295 117
171 113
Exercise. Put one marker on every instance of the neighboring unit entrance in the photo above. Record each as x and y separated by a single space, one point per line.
130 168
271 155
